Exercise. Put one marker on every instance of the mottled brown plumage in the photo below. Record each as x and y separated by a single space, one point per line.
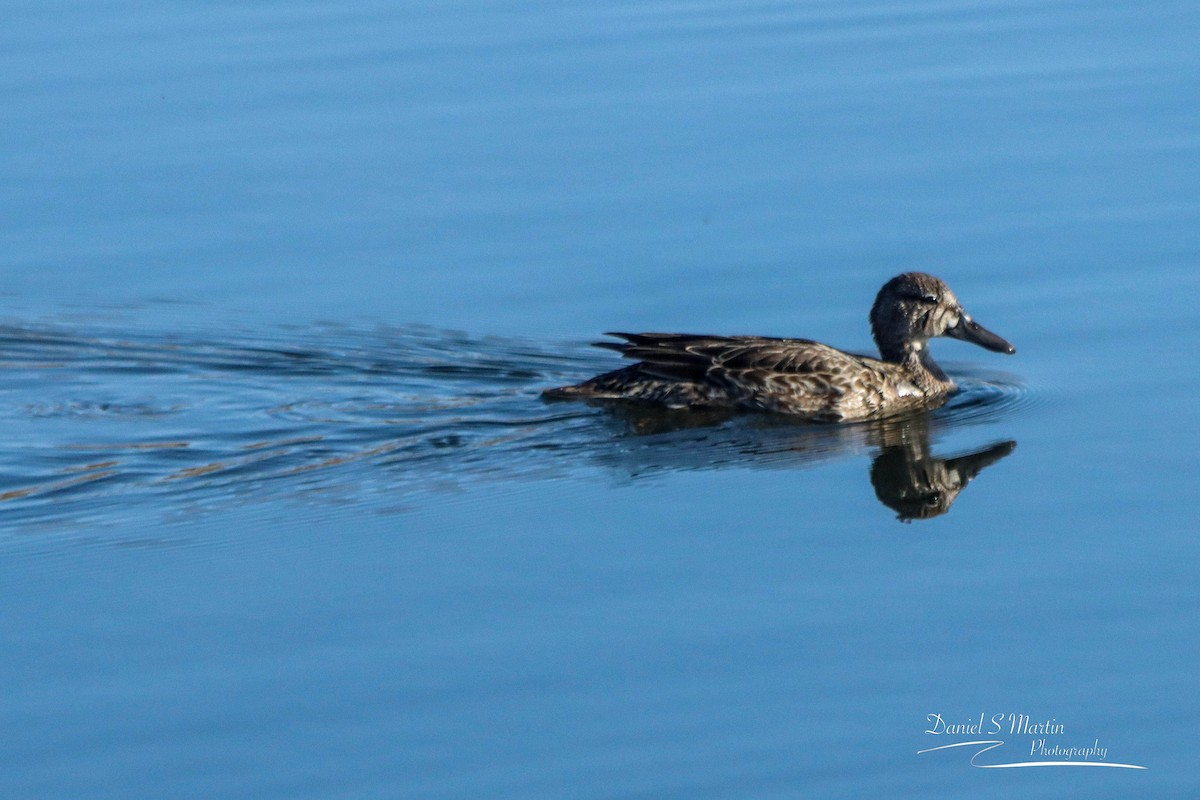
799 376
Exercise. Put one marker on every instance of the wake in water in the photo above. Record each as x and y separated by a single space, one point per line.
97 420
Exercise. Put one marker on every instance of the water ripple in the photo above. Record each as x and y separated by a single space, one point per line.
985 395
105 423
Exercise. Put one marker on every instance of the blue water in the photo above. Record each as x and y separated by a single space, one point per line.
282 513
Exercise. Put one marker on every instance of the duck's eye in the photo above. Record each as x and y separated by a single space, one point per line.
922 297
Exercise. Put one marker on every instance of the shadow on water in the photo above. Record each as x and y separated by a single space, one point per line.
105 425
906 475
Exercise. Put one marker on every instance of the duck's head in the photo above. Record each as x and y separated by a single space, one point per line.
913 308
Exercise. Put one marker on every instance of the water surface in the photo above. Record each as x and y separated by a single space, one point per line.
283 515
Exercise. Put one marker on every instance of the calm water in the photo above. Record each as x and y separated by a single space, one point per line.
281 511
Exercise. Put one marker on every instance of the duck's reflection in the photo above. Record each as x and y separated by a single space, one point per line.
916 484
906 475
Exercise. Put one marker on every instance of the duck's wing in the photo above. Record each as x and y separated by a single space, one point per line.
749 360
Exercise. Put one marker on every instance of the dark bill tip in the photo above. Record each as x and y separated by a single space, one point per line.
968 330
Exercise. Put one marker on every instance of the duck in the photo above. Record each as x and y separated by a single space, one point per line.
799 378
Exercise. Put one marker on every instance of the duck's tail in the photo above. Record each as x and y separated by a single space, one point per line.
574 392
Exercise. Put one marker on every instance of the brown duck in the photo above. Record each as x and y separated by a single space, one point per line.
799 377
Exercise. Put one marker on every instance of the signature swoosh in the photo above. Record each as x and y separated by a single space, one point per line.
992 744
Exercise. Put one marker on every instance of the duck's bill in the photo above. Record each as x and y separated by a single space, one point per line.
968 330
